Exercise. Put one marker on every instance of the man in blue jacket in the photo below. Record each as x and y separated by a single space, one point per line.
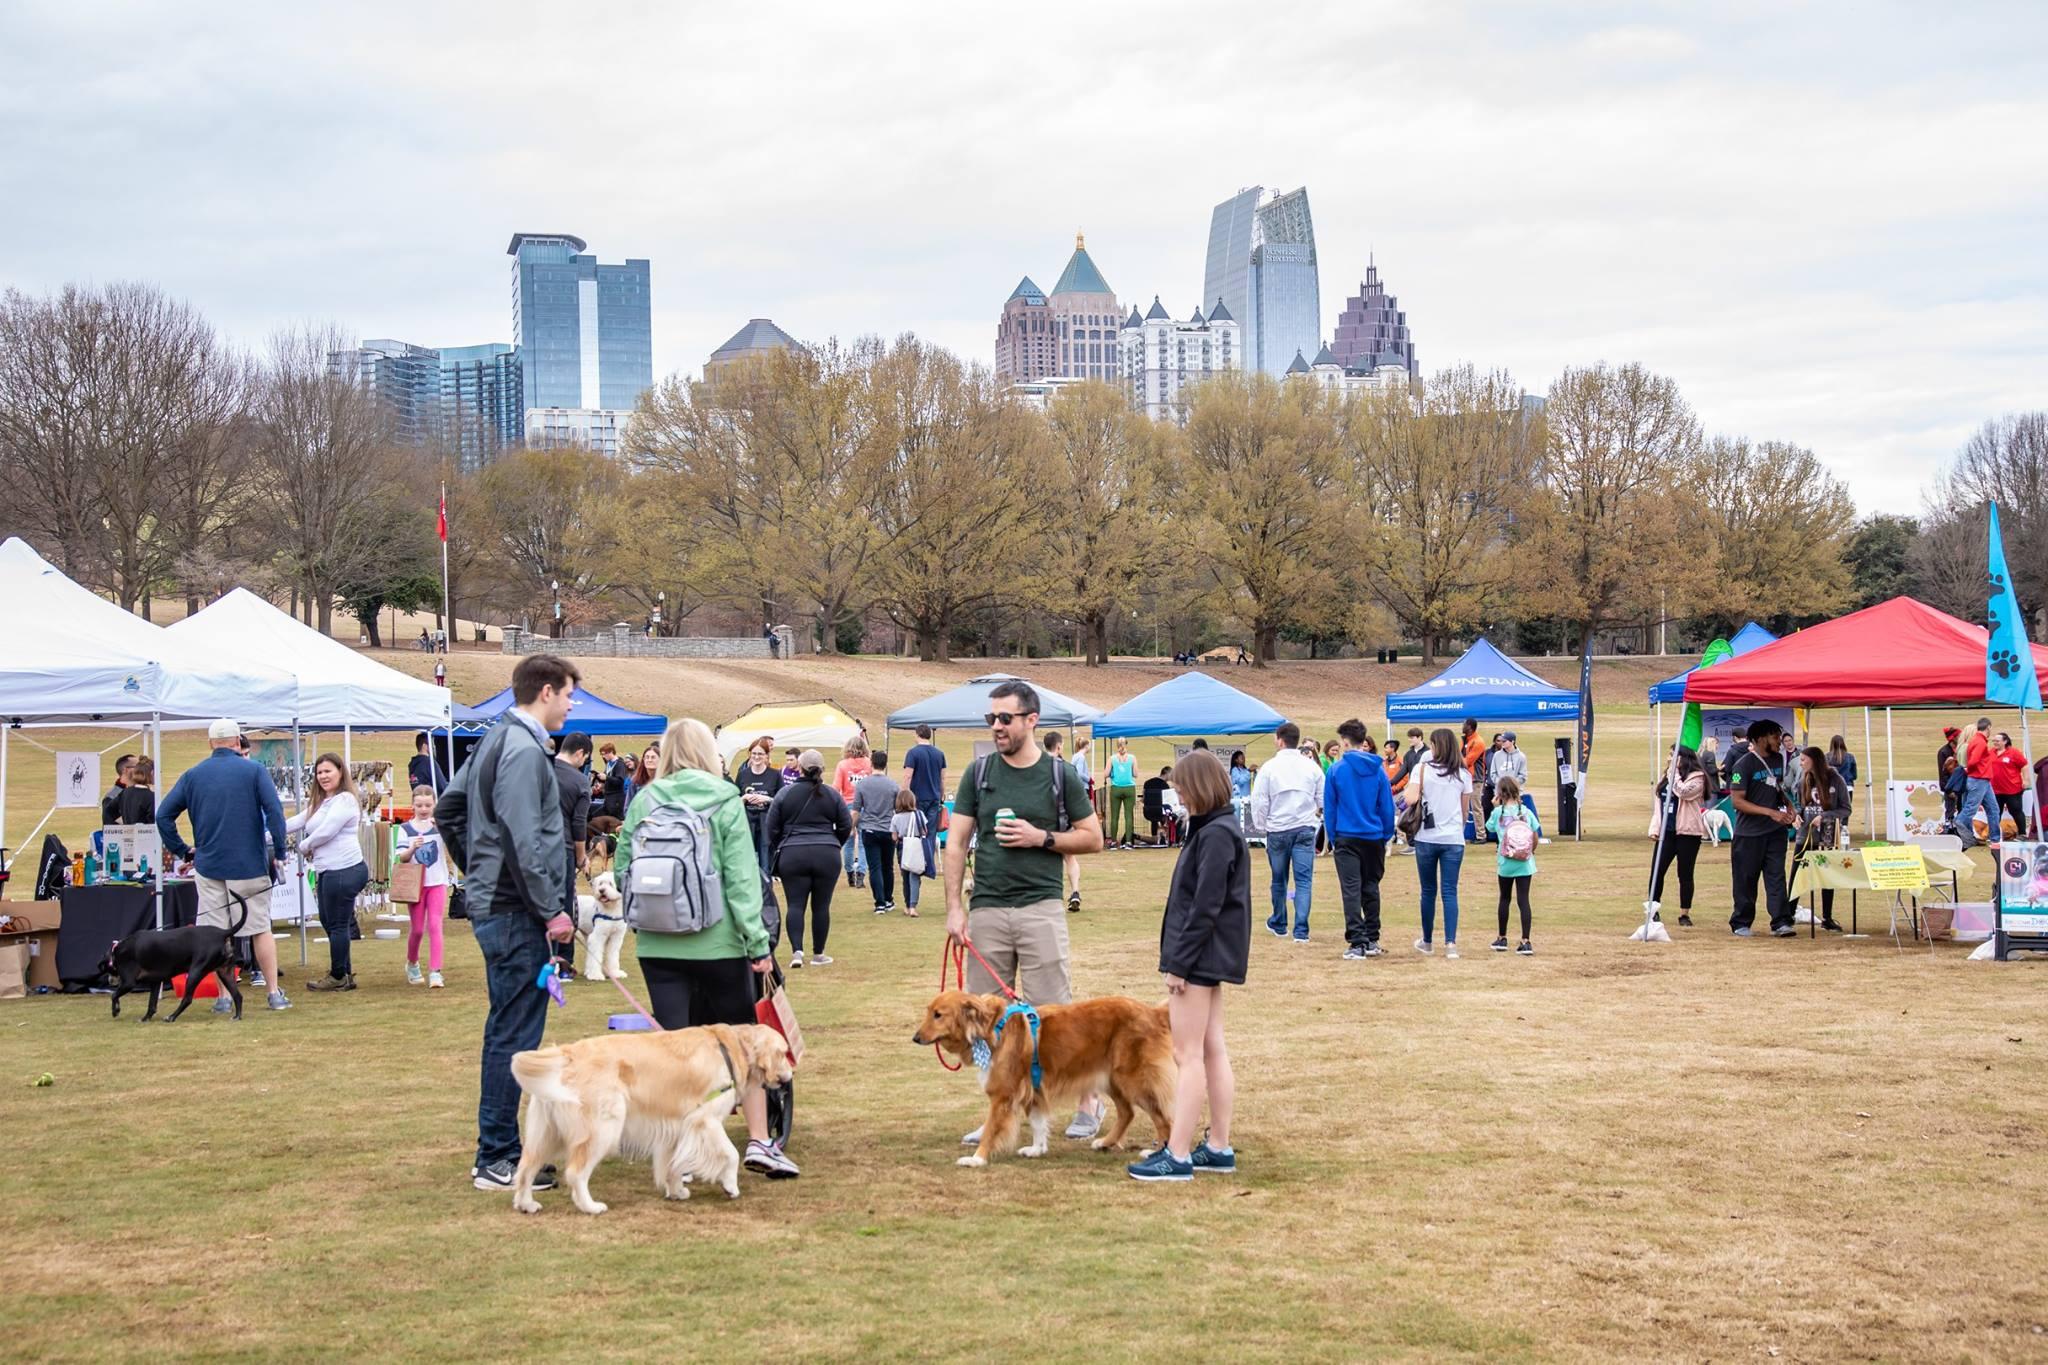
1358 804
238 825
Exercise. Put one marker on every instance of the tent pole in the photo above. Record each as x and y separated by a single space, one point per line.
156 733
1888 777
298 803
3 791
2026 747
1870 783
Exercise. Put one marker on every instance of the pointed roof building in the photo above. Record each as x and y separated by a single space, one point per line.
1157 312
1220 314
1081 276
1299 366
1197 320
759 337
1134 320
1323 359
1028 291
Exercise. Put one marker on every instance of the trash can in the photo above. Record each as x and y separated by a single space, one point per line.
1567 791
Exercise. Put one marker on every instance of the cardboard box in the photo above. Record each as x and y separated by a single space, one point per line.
42 914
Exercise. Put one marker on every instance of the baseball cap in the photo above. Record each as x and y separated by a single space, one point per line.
224 729
1507 734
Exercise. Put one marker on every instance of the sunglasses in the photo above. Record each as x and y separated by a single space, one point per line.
993 718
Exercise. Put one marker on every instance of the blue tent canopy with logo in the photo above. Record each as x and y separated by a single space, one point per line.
1484 684
1751 636
588 712
1191 704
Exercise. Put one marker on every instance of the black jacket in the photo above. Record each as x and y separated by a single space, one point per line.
136 806
1206 934
574 786
808 813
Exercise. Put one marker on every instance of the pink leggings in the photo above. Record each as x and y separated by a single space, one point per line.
427 913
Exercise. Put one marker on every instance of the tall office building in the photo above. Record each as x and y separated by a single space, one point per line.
1070 333
760 337
1162 357
1262 265
583 330
482 401
1372 331
405 376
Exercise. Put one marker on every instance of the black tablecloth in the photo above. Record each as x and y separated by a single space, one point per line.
95 916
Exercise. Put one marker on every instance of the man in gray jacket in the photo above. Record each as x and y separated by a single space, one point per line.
514 881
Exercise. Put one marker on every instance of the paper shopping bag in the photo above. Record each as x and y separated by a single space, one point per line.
774 1010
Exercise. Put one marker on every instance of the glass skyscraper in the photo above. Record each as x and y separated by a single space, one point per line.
482 401
583 330
1262 265
406 377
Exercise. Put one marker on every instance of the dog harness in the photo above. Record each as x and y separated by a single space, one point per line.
732 1074
1031 1018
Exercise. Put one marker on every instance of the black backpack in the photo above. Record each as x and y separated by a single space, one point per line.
1061 824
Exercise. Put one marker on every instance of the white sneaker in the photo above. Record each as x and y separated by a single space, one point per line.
1422 946
972 1139
413 975
796 959
434 981
1451 950
820 960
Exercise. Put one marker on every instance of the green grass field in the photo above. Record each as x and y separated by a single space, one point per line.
1710 1149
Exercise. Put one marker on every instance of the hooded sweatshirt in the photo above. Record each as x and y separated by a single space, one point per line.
1358 801
740 933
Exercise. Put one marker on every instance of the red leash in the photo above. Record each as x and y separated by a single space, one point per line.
954 953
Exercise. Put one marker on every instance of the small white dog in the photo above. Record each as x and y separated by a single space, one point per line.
1718 828
602 918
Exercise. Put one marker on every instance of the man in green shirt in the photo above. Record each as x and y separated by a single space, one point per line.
1017 920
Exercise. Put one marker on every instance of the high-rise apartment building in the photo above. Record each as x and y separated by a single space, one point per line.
482 401
1372 331
406 377
583 329
1262 265
1070 333
1162 357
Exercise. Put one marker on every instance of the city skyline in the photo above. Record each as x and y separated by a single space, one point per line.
1562 190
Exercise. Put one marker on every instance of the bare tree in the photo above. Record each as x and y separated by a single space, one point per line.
323 451
539 516
2006 462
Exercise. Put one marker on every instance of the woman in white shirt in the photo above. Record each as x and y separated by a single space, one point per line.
328 841
1444 787
420 842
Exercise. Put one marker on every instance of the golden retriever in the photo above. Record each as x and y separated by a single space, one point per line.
1112 1045
663 1095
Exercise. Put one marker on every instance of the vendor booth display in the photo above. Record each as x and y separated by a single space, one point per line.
1484 685
822 725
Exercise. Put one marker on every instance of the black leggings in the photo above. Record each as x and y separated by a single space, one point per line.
1520 887
337 892
809 872
686 993
1685 850
2015 805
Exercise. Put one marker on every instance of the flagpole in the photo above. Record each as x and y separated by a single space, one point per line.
447 615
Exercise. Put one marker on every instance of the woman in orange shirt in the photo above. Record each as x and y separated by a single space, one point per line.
853 766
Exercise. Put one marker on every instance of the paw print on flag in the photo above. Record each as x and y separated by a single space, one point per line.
2004 662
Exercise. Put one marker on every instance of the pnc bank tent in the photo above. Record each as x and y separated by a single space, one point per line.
588 712
1191 704
1672 689
1484 684
822 725
962 707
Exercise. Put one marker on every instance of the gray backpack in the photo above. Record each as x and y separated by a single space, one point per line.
672 884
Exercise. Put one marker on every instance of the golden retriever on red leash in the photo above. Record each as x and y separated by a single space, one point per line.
1112 1045
663 1095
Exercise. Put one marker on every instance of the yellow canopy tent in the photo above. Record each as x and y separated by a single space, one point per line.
822 725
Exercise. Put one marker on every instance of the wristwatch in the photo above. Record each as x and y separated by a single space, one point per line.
1048 841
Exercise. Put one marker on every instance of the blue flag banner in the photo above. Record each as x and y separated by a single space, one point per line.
1585 712
2008 662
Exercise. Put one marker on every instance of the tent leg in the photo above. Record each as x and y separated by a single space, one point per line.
153 741
1870 783
298 803
3 792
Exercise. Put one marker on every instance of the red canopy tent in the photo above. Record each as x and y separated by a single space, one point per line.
1897 653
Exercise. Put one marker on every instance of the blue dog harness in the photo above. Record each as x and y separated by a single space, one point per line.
1031 1017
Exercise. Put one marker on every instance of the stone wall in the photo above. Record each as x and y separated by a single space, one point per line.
628 642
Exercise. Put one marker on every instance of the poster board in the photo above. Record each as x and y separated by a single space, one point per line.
2022 906
78 780
1895 867
1721 725
1912 808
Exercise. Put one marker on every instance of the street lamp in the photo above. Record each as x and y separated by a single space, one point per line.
555 586
660 601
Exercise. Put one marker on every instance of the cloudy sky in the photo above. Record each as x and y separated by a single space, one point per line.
1829 222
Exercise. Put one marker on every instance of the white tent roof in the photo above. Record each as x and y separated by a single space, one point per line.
72 655
337 685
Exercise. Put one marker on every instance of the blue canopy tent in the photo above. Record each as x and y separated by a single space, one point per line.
1483 684
1191 704
588 712
1672 689
962 708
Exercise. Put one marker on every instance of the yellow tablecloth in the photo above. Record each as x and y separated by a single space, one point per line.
1841 869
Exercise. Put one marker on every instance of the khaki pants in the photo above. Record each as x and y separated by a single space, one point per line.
1028 945
219 909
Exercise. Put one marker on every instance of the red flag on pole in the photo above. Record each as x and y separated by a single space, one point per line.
443 526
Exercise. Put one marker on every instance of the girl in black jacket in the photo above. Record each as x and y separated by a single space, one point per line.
807 824
1205 940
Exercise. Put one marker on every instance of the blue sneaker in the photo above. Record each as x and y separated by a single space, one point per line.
1207 1158
1161 1165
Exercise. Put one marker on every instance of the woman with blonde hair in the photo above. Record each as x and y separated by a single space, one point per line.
328 840
853 766
707 977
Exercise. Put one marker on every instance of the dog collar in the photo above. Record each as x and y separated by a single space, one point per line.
731 1073
599 914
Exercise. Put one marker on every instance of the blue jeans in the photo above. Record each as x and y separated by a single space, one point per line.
1977 794
1434 862
515 948
1295 849
852 858
931 811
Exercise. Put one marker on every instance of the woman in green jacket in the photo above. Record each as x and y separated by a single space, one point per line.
708 977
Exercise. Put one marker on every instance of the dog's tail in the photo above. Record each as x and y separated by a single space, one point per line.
539 1074
242 901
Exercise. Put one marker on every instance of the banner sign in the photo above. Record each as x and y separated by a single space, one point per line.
78 780
2023 891
1895 867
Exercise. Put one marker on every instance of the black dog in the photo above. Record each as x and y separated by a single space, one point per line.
152 957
